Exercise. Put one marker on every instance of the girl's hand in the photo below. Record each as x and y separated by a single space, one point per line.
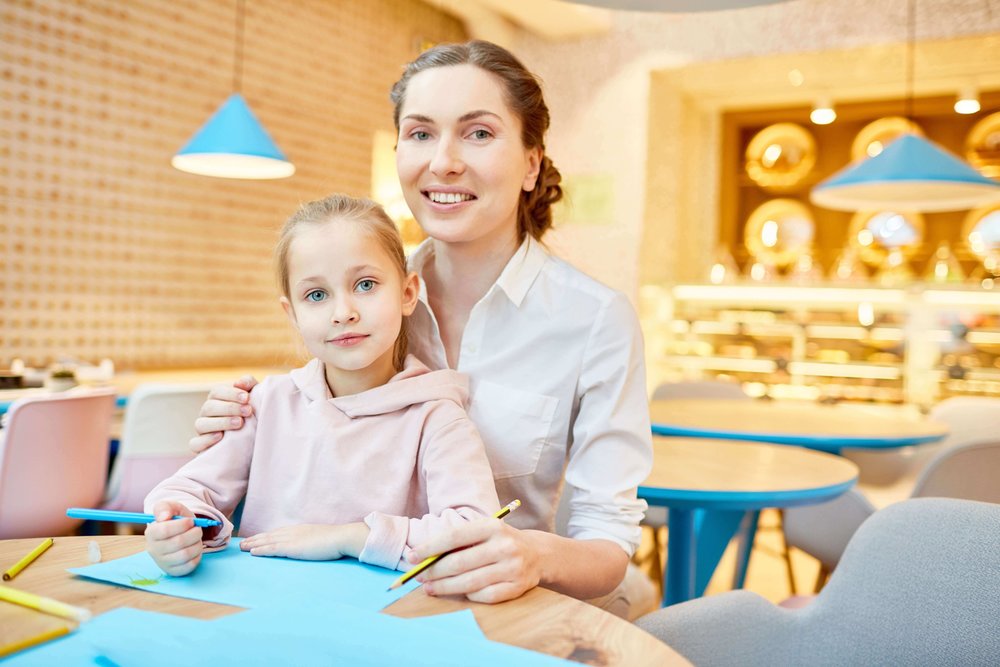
495 563
175 545
309 541
223 411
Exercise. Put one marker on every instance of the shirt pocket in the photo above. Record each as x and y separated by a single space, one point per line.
514 424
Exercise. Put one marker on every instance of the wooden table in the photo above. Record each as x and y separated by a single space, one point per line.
126 382
711 486
541 620
825 427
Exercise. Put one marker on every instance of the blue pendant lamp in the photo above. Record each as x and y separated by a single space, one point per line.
233 143
911 173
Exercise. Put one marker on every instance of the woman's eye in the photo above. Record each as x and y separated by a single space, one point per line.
365 285
316 295
481 134
420 135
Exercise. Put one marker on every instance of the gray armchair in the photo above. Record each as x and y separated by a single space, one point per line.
917 585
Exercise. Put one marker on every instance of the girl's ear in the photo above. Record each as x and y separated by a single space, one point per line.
411 291
534 166
289 311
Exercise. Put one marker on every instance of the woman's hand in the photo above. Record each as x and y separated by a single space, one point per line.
495 562
309 541
224 410
175 544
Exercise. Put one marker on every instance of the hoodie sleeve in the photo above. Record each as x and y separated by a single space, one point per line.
459 484
214 482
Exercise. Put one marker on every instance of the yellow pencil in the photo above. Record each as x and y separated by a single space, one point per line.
44 604
48 635
27 560
430 560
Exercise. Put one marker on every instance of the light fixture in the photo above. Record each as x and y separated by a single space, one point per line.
823 113
911 173
967 101
233 143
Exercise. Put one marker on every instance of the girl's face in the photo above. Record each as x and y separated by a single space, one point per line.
461 162
347 300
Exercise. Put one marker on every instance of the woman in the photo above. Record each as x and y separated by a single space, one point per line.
554 358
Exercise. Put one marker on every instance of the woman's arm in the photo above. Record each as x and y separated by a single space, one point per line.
497 562
224 410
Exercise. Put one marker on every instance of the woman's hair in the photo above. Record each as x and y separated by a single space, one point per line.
342 209
524 97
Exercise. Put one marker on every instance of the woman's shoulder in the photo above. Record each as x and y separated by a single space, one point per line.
586 287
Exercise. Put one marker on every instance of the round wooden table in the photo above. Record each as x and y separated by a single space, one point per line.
541 620
710 486
825 427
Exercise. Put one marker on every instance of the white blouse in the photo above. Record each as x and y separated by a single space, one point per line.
555 363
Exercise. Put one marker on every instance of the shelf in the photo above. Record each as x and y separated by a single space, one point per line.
858 370
729 364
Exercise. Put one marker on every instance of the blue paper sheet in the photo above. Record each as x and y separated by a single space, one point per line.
338 635
235 577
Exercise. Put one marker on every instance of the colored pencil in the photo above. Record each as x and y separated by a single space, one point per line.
48 635
430 560
44 604
128 517
27 560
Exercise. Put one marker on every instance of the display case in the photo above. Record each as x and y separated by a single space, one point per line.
907 345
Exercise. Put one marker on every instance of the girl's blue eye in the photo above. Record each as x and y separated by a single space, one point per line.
366 285
316 295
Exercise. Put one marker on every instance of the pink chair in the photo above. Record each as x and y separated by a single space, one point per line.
53 455
159 422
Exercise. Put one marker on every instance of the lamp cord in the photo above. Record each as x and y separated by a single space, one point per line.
911 22
238 55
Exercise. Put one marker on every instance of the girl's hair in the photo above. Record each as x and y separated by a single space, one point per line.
342 209
524 97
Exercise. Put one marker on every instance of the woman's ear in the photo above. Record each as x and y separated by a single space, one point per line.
286 305
411 292
534 156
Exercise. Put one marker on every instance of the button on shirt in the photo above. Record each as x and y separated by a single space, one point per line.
557 378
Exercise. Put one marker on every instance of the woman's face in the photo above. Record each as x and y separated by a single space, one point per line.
461 162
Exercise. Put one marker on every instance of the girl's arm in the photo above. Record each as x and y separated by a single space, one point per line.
224 410
458 482
212 484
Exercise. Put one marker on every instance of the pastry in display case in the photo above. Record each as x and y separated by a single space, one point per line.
780 157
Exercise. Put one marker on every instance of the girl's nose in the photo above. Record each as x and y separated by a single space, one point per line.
345 313
447 159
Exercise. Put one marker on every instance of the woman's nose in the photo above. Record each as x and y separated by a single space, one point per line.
447 159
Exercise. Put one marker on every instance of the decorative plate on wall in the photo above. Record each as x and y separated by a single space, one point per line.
874 136
875 233
982 146
780 156
981 230
779 231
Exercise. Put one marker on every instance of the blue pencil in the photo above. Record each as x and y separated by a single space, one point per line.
127 517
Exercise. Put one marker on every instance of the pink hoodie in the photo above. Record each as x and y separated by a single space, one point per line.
405 449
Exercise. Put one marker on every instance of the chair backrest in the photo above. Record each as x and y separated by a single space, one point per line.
969 419
53 455
970 471
159 422
669 391
916 586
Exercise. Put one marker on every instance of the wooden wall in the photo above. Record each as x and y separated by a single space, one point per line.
105 249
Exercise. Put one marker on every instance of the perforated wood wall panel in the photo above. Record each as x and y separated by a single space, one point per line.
107 251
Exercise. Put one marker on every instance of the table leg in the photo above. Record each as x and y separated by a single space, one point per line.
748 530
679 582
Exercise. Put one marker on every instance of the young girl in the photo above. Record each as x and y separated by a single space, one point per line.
341 452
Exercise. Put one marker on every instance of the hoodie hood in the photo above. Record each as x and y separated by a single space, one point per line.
413 385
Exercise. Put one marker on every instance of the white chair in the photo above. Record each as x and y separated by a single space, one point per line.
917 586
967 471
159 422
53 455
